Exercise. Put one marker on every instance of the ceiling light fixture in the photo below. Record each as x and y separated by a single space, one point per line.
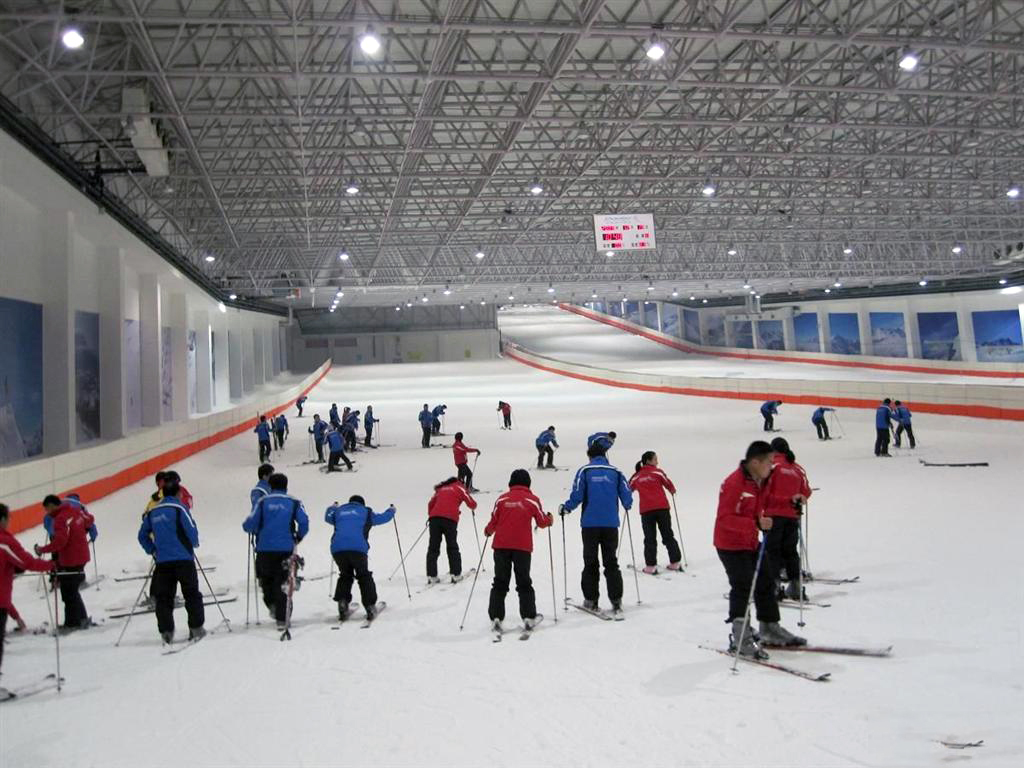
922 282
609 254
594 295
847 250
536 189
731 252
828 290
72 38
909 61
233 296
674 293
708 189
746 286
343 255
693 298
369 43
221 307
462 306
837 284
408 303
482 302
957 249
339 294
398 309
447 291
479 254
704 301
352 189
655 48
425 299
1013 192
1002 281
210 258
551 288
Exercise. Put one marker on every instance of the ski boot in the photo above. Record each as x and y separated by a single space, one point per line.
590 605
371 613
496 625
196 633
650 569
433 580
343 612
282 626
457 577
773 633
534 621
793 591
617 609
675 567
167 637
750 647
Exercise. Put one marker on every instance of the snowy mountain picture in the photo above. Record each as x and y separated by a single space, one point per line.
888 335
21 380
87 376
769 334
743 334
997 336
691 325
670 319
714 327
940 335
844 336
805 332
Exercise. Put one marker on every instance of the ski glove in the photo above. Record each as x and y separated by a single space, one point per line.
562 511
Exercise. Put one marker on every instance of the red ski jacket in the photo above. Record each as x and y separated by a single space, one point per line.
650 483
448 500
740 502
786 481
70 539
14 559
462 451
514 512
505 408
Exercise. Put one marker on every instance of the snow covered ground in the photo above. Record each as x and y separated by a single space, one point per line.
574 338
937 550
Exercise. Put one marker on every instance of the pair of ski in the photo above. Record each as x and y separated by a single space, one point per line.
813 676
665 575
128 576
367 621
597 612
326 471
219 596
442 586
809 578
177 647
31 689
554 469
524 633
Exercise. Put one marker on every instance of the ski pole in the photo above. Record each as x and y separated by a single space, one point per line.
800 580
402 563
632 554
806 539
476 573
248 578
750 599
426 525
145 583
95 566
475 532
56 635
551 559
213 594
565 567
255 579
679 528
330 580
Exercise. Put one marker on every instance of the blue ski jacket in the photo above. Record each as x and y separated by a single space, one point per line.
280 423
352 523
334 415
602 439
369 420
819 415
335 441
439 410
318 429
545 437
903 415
769 408
261 489
883 416
599 487
168 531
353 419
426 418
278 521
263 431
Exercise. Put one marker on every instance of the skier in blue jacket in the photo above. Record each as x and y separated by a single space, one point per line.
426 424
770 410
349 429
599 488
263 435
279 523
368 422
170 535
437 413
903 422
350 547
335 419
280 430
883 421
262 487
818 420
604 440
544 441
319 433
336 443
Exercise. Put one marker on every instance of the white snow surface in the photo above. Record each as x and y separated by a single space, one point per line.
937 551
567 336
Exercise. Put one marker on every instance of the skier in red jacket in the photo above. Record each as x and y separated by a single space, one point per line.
461 453
511 523
443 521
13 560
786 492
506 413
650 483
740 516
71 523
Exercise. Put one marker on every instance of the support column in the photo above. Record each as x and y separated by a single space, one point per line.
204 361
661 324
269 334
788 333
912 331
113 419
824 332
730 333
867 347
258 357
220 367
177 319
150 323
58 334
965 322
236 364
755 334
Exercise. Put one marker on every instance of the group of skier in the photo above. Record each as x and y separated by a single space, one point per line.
339 435
892 420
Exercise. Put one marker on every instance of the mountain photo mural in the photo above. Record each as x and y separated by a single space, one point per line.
940 335
997 336
844 333
888 334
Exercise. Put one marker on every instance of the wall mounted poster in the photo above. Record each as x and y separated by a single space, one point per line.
691 325
87 376
651 315
632 312
769 334
805 332
132 353
670 319
844 335
743 334
940 335
166 376
888 334
598 306
714 329
997 336
193 382
21 380
615 308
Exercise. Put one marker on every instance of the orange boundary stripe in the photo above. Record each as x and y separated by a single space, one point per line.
949 409
28 517
608 320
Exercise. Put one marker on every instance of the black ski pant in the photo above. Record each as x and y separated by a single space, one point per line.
505 562
605 541
659 520
769 422
448 529
319 449
350 441
334 458
881 441
910 435
272 575
822 428
545 451
426 436
465 475
435 427
264 450
369 434
166 578
70 579
508 419
3 633
739 567
300 410
354 567
278 439
782 548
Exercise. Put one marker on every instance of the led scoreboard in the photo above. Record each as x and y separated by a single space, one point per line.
624 232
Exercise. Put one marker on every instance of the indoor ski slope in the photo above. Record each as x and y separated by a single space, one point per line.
567 336
936 549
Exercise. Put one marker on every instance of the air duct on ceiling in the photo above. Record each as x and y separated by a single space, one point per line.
145 139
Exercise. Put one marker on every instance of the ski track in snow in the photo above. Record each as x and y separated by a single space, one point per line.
415 691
